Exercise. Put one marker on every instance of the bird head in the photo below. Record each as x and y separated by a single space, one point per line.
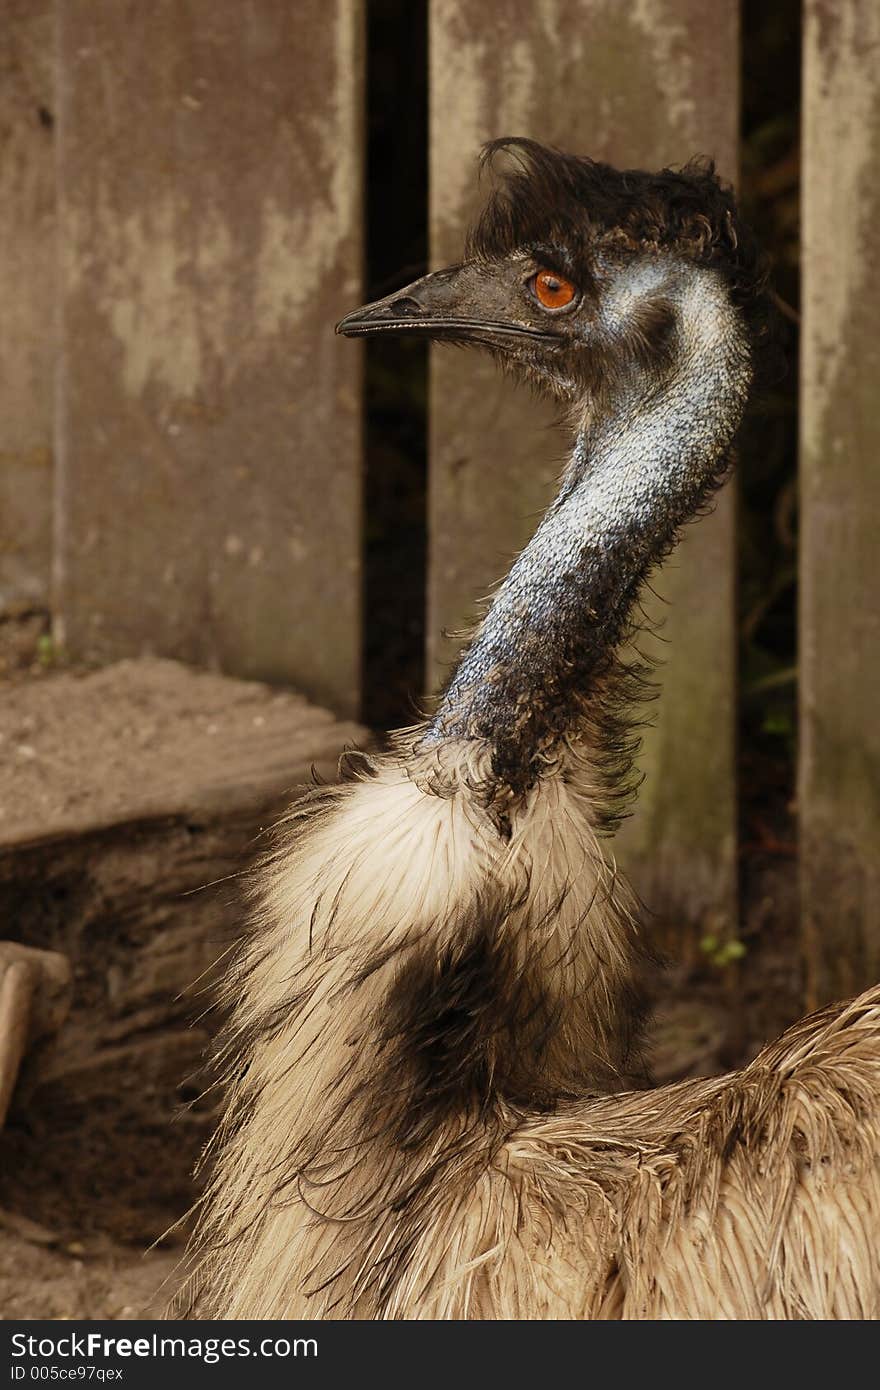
576 274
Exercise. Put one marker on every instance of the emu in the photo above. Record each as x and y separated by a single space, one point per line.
432 1050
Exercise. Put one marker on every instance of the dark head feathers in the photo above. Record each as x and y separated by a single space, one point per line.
564 205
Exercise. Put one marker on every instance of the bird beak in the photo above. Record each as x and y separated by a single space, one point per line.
463 303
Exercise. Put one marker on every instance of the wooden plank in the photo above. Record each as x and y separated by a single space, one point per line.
839 773
646 84
27 289
35 992
209 426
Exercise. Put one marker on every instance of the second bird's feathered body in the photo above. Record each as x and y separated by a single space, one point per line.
432 1037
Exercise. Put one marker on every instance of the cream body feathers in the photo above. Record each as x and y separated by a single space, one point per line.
389 899
350 1184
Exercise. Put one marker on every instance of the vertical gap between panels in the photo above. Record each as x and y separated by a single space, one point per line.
768 553
395 383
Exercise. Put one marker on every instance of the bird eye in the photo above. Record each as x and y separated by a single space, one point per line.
552 290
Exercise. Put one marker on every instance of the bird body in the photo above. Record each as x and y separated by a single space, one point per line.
414 1140
432 1047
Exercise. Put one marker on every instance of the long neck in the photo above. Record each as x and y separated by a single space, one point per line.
639 469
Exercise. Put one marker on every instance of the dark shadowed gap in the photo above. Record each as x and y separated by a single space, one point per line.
768 555
395 484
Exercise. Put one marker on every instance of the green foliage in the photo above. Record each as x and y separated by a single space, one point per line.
722 952
48 653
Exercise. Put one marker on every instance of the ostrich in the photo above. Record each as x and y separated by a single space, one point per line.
432 1049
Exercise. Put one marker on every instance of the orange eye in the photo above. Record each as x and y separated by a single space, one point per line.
552 290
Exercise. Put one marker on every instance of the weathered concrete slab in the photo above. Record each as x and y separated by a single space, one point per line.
839 775
146 740
133 800
644 84
209 433
27 294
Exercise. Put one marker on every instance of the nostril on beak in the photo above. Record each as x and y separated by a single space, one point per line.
406 307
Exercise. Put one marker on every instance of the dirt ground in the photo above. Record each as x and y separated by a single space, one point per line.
707 1017
44 1277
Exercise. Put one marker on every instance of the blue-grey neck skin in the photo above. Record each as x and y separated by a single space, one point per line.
639 469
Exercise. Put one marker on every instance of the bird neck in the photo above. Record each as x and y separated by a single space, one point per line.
536 674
